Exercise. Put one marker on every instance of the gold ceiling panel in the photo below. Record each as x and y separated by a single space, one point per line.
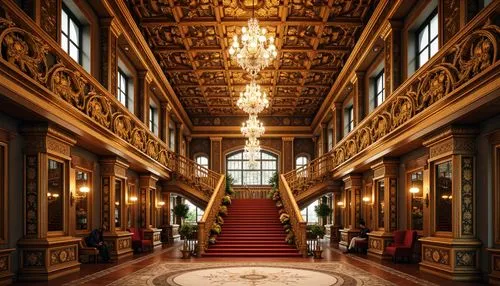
190 38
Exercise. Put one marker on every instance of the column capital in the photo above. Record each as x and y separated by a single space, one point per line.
288 138
112 24
390 26
215 138
166 106
148 181
114 166
387 167
352 181
336 106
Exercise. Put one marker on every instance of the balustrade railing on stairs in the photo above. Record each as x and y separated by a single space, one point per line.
209 216
315 171
296 221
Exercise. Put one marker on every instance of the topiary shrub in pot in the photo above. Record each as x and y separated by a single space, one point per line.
181 210
317 230
186 231
226 200
223 211
323 211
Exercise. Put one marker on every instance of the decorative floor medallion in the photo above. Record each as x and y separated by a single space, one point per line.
251 274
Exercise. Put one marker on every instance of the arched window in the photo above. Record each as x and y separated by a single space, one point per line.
202 160
300 162
239 169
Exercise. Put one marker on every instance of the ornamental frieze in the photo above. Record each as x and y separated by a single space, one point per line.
33 258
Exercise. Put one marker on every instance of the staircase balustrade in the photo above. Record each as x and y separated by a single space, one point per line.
296 221
314 172
210 214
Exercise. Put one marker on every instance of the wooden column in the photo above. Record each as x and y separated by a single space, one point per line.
359 97
46 252
216 154
5 252
392 56
109 32
385 175
143 83
188 146
113 181
180 137
494 251
352 210
333 228
147 186
337 122
453 254
287 154
324 138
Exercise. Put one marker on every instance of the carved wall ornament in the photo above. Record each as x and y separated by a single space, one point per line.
4 264
467 196
33 258
465 258
63 255
31 187
437 255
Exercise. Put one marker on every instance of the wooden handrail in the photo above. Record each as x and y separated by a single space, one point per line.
210 214
296 221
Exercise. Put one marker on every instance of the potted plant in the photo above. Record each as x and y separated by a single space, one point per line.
317 231
216 229
181 210
323 211
223 210
186 232
226 200
284 218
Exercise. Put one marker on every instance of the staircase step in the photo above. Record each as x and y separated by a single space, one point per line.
249 246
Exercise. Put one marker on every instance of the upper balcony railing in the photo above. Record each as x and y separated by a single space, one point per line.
468 57
37 60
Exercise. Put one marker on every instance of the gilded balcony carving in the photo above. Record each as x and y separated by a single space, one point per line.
25 51
470 56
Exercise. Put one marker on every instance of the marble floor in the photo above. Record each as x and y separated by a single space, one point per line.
165 267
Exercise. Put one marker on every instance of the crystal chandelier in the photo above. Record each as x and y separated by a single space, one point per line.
252 151
255 52
253 100
253 127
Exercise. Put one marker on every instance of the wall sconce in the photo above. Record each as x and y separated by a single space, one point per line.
160 204
366 200
117 203
414 190
52 197
340 204
426 200
83 191
132 200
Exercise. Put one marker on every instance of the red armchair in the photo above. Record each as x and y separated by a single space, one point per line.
404 242
138 241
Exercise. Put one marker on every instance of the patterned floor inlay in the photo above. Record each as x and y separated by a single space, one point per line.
251 274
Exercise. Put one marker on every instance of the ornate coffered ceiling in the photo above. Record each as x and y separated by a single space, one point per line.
190 40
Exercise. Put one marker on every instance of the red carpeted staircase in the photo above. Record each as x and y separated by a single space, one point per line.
252 228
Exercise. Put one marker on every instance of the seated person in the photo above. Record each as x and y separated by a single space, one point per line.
363 235
96 240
